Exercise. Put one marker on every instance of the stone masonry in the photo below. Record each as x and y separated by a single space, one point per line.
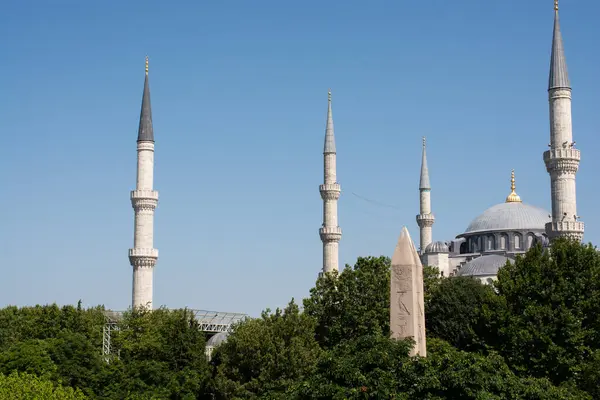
144 200
330 232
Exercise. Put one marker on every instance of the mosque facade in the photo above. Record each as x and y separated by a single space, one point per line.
502 231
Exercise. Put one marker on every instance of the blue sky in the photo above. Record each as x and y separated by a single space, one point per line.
239 96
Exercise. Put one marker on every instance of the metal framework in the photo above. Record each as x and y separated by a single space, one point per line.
209 321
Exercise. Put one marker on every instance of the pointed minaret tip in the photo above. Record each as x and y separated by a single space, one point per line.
424 183
329 147
146 131
559 76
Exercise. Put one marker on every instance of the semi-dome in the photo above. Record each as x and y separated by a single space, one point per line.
511 215
437 247
487 265
217 339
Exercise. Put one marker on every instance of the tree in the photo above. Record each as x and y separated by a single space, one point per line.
26 386
448 373
162 355
352 303
459 310
552 324
266 356
359 368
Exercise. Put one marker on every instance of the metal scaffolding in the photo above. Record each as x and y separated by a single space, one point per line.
209 321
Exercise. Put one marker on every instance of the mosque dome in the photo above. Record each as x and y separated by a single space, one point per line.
217 339
510 215
487 265
437 247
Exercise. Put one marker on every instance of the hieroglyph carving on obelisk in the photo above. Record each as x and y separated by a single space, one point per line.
407 310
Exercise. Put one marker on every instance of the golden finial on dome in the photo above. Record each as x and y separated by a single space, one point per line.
146 65
513 197
555 5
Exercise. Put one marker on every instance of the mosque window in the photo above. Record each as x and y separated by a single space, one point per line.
491 242
530 240
517 241
503 242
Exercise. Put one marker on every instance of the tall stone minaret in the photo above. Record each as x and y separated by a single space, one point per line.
562 159
330 232
425 218
144 199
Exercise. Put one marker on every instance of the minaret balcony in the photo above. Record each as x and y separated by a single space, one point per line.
569 229
143 253
562 159
330 191
425 220
144 194
144 200
330 233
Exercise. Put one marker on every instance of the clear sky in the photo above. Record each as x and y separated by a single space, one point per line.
239 97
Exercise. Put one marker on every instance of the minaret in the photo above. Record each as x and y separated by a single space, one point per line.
144 199
425 219
562 159
330 232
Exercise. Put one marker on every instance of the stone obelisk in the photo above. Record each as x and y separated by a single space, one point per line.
407 315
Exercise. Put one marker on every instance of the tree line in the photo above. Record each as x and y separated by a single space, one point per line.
532 334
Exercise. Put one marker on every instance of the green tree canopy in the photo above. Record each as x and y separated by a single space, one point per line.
552 324
30 387
266 355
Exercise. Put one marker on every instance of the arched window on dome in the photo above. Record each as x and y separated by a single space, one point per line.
490 242
530 240
503 241
518 244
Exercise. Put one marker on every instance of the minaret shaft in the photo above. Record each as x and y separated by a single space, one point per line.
330 231
144 199
145 167
562 159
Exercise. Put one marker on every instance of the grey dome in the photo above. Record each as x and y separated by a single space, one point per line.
483 266
510 216
217 339
437 247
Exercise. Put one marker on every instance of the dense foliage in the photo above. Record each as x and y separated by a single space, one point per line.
533 334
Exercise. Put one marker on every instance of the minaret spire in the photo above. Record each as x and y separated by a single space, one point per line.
144 200
145 131
559 75
330 232
425 218
562 159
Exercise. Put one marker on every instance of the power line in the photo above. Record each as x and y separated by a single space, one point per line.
378 203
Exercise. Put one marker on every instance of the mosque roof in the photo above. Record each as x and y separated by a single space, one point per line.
217 339
511 215
437 247
483 266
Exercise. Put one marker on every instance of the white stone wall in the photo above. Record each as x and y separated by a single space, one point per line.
330 168
562 163
143 255
439 260
330 256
